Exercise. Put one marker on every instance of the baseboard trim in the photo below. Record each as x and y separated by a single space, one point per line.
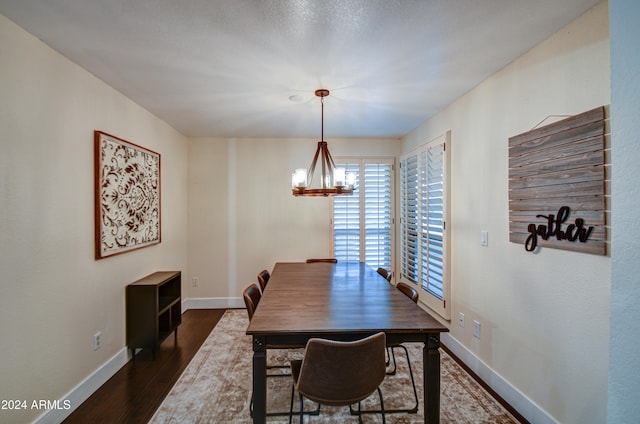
85 389
93 382
511 395
522 405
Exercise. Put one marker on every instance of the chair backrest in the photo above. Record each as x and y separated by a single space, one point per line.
331 260
263 279
342 373
385 273
409 291
251 297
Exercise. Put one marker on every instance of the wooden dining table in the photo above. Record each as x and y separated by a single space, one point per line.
342 301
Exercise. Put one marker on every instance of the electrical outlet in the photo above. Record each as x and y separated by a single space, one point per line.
194 282
476 329
461 319
97 342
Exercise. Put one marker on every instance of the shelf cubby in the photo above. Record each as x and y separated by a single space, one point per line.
154 310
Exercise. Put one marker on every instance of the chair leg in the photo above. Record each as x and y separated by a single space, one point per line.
301 409
291 404
413 381
392 357
384 420
314 412
412 410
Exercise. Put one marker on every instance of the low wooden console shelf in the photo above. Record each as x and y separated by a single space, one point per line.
154 310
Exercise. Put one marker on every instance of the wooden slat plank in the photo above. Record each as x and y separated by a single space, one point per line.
587 188
597 234
589 217
578 202
568 176
596 114
591 246
558 140
565 150
573 162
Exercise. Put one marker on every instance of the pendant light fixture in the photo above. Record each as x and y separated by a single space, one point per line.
334 181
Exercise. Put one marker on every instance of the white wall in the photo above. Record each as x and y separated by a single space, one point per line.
243 217
544 316
55 296
624 370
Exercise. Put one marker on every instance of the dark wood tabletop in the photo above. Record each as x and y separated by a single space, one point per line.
342 301
333 299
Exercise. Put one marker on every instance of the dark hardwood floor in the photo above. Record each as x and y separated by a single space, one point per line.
134 393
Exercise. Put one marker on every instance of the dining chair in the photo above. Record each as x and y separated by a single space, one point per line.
412 294
409 291
263 279
252 296
330 260
385 273
338 373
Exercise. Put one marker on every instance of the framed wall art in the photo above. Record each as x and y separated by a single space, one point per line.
127 196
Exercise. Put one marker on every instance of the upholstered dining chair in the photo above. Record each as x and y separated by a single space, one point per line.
412 294
339 373
385 273
252 296
330 260
409 291
263 279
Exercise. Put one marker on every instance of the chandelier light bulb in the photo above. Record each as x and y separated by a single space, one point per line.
339 177
299 178
351 180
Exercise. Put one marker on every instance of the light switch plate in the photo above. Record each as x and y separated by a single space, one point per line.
484 238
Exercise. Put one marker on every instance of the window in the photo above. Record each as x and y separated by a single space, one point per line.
363 222
423 217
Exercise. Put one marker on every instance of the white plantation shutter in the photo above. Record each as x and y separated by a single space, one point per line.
432 234
362 222
377 214
424 209
346 222
409 217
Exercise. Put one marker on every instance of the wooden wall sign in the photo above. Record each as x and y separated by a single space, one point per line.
557 185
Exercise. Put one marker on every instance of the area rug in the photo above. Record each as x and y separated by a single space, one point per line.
216 387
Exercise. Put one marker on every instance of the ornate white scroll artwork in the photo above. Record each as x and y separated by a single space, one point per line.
127 179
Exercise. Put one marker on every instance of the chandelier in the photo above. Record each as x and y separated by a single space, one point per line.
334 181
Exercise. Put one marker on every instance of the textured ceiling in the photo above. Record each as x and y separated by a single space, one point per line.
229 67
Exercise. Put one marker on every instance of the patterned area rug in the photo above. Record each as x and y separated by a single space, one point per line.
216 387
